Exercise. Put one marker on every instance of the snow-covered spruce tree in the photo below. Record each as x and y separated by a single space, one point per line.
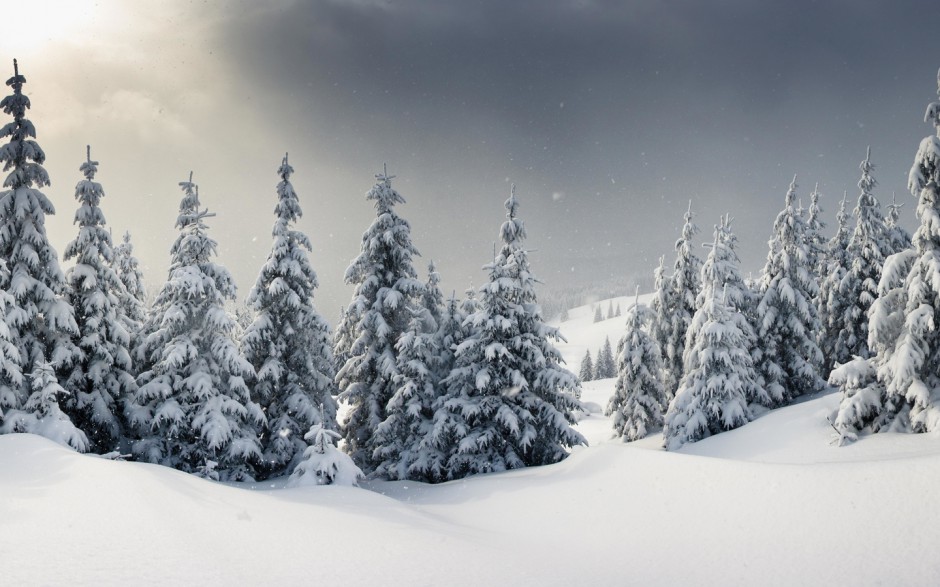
636 405
712 396
510 403
721 277
610 310
903 321
288 343
193 410
661 307
788 358
815 241
686 284
11 371
449 334
606 367
868 248
132 300
832 305
432 299
102 378
898 238
401 451
41 321
322 463
42 414
598 315
386 289
587 367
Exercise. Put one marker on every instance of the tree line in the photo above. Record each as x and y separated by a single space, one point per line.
434 388
713 351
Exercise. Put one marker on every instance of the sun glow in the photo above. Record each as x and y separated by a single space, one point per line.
40 23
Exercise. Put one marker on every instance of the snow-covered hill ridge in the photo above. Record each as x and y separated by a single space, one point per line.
775 503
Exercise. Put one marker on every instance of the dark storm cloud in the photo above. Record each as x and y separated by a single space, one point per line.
623 111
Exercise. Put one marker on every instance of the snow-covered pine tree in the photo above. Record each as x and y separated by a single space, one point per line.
721 277
686 284
42 414
905 395
40 320
343 338
617 311
450 333
11 370
816 242
132 300
193 410
661 307
322 463
288 343
598 315
102 378
868 248
636 405
386 289
605 367
712 396
510 403
432 299
610 309
401 451
587 367
831 303
898 238
788 358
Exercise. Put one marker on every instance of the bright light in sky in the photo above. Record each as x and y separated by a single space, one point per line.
39 22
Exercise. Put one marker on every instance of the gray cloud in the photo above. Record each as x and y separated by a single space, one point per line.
629 109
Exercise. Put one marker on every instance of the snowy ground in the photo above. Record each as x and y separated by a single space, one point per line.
772 503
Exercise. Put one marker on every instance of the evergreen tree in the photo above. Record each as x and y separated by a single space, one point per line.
788 358
636 405
867 249
343 338
42 414
661 307
685 288
898 238
832 303
386 288
401 451
322 463
617 311
102 378
712 396
510 403
132 299
721 277
816 242
431 298
11 370
193 409
897 389
605 367
288 343
598 315
587 367
610 309
40 320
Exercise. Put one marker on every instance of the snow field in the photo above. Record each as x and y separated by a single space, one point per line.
774 502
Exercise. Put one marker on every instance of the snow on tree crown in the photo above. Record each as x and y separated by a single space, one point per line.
89 168
385 197
513 230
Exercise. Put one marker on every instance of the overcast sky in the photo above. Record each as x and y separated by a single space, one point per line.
608 116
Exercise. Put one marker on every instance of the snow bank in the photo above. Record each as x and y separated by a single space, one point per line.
771 503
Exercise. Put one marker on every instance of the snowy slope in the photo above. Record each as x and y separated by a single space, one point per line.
772 503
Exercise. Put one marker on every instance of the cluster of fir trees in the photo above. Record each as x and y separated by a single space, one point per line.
605 366
713 351
437 390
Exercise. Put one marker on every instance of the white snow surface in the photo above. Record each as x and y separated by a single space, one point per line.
775 502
